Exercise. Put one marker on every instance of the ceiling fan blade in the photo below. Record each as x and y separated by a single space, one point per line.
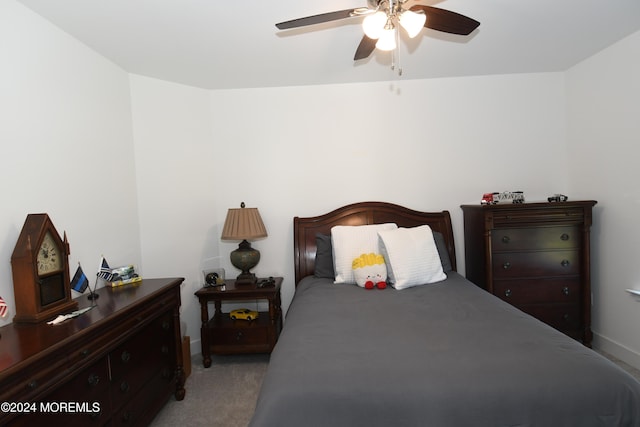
318 19
447 21
366 46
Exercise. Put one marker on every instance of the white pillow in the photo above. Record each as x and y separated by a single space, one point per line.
351 241
412 256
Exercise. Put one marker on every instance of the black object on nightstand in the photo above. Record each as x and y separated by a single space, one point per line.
222 335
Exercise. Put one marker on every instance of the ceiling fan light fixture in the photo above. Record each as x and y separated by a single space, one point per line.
387 40
373 25
412 22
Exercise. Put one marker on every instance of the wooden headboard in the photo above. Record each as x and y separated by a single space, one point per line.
364 213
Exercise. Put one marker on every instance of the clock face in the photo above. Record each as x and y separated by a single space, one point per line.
49 256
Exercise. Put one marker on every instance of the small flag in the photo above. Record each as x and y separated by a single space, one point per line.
79 282
3 308
105 271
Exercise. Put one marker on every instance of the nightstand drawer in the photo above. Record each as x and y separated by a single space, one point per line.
538 291
517 239
247 335
536 264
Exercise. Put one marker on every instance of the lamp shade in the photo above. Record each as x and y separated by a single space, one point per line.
412 22
243 224
387 40
374 24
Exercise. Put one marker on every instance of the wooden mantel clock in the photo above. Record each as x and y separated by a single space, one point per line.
40 265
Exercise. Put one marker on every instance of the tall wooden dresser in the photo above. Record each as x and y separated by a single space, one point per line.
536 256
116 364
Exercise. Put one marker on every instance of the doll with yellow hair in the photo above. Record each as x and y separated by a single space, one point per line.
370 271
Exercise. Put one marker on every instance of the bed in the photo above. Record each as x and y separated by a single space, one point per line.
442 354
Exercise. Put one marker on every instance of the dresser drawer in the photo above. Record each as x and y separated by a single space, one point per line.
538 291
533 238
536 264
564 317
544 215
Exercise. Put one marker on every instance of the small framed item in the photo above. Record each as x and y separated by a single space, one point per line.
213 277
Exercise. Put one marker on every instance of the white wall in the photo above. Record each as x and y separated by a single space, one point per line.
428 145
603 146
65 145
178 183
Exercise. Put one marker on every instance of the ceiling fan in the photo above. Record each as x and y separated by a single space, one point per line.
383 17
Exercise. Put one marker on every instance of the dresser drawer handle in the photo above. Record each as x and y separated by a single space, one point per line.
506 265
125 356
93 380
84 353
565 317
505 239
166 325
565 263
124 386
238 336
507 293
564 237
32 384
565 290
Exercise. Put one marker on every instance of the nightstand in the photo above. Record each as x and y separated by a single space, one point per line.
222 335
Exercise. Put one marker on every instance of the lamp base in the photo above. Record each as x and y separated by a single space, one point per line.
246 279
244 259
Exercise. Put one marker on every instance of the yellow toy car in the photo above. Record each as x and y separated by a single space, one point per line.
243 314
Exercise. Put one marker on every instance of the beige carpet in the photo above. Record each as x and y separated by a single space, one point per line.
225 394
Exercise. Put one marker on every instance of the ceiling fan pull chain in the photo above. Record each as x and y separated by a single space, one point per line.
395 58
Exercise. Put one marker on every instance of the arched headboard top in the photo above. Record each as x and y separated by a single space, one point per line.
305 229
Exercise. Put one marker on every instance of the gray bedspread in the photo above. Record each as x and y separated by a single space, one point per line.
444 354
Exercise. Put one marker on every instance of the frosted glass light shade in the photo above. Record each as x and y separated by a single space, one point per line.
412 22
387 40
373 25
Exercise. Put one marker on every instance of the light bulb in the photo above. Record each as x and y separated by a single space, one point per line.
374 24
412 22
387 40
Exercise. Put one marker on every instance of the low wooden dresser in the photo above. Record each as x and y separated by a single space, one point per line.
535 256
116 364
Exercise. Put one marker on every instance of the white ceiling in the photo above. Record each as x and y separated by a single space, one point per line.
218 44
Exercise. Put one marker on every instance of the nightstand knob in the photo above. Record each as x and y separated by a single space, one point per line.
506 265
565 263
565 290
507 293
238 336
564 236
505 239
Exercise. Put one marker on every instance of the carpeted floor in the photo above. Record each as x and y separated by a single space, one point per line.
225 394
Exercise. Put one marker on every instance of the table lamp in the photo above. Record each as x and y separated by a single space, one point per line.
244 224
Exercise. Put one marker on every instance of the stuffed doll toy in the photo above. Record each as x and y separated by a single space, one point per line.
370 271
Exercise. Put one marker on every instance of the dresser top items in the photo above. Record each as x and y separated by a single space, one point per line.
19 341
